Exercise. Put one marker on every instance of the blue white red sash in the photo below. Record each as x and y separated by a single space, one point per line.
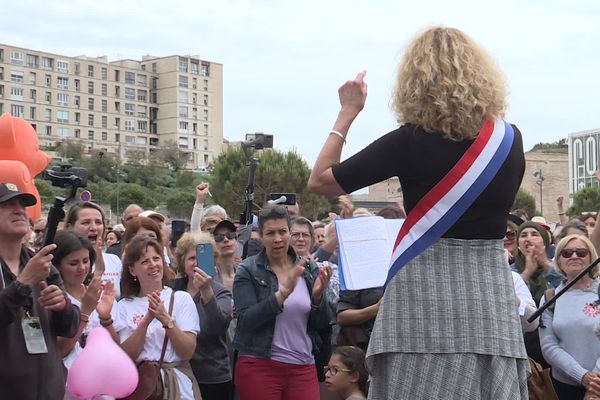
447 201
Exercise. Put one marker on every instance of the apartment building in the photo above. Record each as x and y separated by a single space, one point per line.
118 107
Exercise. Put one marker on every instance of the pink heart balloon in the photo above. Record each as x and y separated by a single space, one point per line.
102 368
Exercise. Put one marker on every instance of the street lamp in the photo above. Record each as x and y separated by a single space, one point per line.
540 182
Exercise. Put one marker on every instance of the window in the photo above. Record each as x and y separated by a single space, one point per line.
195 146
129 125
90 71
205 129
129 78
48 130
32 113
142 126
140 140
48 79
183 112
77 133
1 73
154 83
91 103
90 119
1 91
104 89
91 87
183 143
77 70
129 139
154 67
194 83
205 69
16 57
206 85
16 76
118 123
47 63
194 68
117 75
104 73
183 127
183 81
129 93
206 115
62 83
62 132
16 93
129 109
48 97
33 94
90 135
183 65
77 117
141 95
77 85
117 137
183 96
154 97
194 97
2 105
141 80
32 61
194 128
77 101
104 106
205 144
62 99
141 111
17 111
117 106
104 136
32 78
206 100
62 66
48 114
104 121
62 116
206 159
117 91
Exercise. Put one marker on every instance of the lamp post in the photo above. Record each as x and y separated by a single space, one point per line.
100 194
540 183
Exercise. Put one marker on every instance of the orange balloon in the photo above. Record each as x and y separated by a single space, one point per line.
19 143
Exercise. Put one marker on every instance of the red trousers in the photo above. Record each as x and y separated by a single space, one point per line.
263 379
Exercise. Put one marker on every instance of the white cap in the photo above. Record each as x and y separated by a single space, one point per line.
152 214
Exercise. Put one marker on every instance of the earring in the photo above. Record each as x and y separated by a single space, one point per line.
134 278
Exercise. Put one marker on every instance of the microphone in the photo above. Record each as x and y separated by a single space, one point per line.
280 200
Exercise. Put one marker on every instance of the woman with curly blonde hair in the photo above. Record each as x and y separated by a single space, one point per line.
448 326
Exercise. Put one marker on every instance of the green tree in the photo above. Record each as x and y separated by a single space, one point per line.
587 199
180 204
525 201
70 150
171 155
100 166
133 193
277 172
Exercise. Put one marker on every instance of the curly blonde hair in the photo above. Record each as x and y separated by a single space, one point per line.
448 83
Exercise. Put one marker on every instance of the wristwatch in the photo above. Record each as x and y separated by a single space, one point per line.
22 289
170 324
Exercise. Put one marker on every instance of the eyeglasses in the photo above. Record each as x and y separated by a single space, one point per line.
219 237
568 253
334 370
298 235
510 235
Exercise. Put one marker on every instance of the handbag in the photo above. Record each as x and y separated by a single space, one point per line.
150 384
539 383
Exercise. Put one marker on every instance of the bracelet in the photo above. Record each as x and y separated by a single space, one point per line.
106 322
84 317
338 134
562 213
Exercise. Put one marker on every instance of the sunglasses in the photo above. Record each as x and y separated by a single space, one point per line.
510 235
568 253
219 237
334 370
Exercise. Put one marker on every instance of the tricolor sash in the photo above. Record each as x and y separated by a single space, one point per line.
448 200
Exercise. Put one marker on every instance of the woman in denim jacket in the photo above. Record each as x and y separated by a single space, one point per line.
280 302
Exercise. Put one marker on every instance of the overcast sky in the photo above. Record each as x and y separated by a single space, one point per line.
284 61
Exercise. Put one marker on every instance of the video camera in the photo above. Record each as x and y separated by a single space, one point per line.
66 175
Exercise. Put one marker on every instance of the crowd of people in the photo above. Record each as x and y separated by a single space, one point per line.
265 317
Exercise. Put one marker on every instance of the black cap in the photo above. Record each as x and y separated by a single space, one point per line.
9 191
225 224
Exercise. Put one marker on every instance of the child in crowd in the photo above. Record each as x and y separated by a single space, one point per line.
347 373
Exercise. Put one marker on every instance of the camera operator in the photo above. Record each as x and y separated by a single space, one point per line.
33 312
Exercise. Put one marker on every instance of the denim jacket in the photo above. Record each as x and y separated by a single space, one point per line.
254 290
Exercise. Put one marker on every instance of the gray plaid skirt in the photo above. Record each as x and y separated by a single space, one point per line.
448 328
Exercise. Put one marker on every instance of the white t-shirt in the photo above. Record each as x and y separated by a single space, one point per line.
112 272
131 311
